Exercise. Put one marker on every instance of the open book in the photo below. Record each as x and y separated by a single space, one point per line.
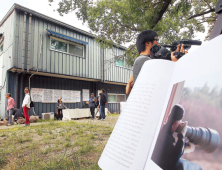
131 144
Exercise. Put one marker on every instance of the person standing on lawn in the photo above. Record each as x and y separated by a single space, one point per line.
92 105
10 109
60 106
103 103
26 106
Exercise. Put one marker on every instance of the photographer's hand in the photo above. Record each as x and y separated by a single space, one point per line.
129 85
189 148
183 128
182 50
173 57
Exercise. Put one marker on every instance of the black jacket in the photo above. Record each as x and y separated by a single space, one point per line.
97 102
166 154
103 99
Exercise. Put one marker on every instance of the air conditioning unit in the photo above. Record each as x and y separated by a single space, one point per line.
122 104
49 115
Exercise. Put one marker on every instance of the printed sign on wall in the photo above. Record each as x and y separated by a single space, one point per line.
85 94
52 95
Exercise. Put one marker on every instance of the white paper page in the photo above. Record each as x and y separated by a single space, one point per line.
130 141
205 60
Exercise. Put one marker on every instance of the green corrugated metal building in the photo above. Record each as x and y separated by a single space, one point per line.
65 57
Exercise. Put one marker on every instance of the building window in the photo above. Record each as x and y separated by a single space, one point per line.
116 98
58 45
67 47
76 49
119 62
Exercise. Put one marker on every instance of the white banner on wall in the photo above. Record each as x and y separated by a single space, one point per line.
48 95
52 95
37 94
57 95
75 96
85 94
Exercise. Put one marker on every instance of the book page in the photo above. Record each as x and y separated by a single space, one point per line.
194 68
131 139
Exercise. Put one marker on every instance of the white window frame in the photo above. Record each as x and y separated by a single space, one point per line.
67 42
124 64
116 96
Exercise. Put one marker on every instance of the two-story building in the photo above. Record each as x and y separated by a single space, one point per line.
44 53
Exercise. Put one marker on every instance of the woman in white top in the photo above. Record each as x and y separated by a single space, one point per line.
26 106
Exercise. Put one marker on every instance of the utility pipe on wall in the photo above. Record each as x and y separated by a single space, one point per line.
24 36
29 41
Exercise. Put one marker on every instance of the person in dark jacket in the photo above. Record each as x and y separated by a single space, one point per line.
92 102
60 106
167 154
103 103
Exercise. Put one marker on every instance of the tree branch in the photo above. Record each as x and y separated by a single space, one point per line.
203 13
156 4
208 4
161 12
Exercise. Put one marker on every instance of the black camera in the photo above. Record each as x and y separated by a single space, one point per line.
160 52
205 139
187 44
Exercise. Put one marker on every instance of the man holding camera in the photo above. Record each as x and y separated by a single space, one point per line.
144 43
167 154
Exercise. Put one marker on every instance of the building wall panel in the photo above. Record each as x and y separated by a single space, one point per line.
63 84
60 63
6 57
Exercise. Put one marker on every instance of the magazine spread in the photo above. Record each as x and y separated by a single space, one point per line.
159 86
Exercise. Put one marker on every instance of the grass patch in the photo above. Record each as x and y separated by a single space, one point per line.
55 145
22 139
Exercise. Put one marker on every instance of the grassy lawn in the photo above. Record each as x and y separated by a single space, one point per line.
55 145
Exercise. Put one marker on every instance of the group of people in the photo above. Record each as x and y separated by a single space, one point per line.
25 106
94 103
98 103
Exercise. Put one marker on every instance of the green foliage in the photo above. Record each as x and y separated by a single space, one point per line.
120 21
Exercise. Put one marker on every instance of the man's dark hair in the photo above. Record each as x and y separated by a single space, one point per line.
145 37
103 90
9 94
100 94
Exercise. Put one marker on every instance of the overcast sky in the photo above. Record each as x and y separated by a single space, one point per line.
211 80
42 6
